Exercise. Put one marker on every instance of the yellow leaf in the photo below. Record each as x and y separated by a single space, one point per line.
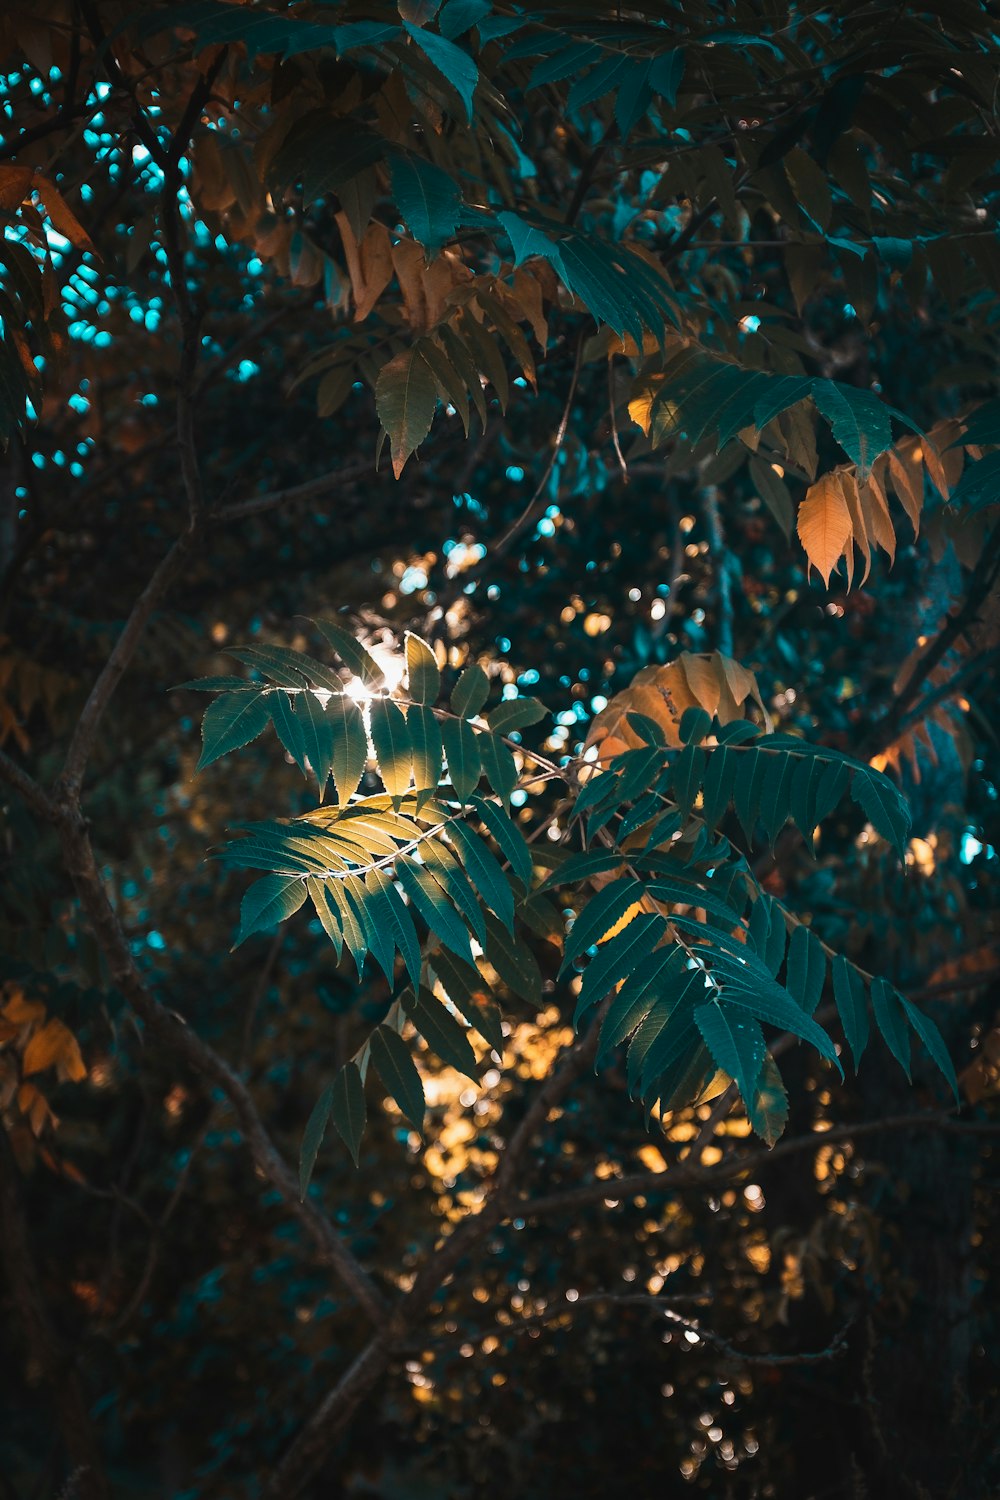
369 264
55 1045
693 680
824 524
640 408
878 522
853 498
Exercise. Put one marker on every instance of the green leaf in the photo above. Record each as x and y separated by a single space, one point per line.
432 904
350 746
720 776
391 910
736 1043
499 766
232 721
469 993
483 869
442 1033
768 932
932 1039
689 769
601 913
660 976
398 1072
274 662
858 420
450 61
317 732
747 983
768 1111
348 1108
884 806
617 959
849 994
269 901
462 751
352 654
748 787
979 486
426 749
423 676
576 868
513 961
806 972
312 1138
459 16
694 726
470 692
392 746
773 490
680 892
288 729
508 838
329 919
667 1033
515 713
352 927
891 1019
427 198
406 399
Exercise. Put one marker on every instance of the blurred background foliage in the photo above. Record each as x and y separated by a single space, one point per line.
199 1322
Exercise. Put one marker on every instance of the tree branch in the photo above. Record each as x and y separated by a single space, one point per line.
695 1176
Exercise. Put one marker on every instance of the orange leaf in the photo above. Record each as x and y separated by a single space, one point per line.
55 1045
824 524
62 216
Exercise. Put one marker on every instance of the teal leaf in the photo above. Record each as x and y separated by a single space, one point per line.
451 62
461 748
350 746
849 994
440 1030
660 975
470 692
768 1110
515 713
352 654
736 1043
694 726
508 838
618 958
430 901
806 972
483 869
232 721
891 1019
858 420
932 1039
392 746
600 914
288 729
398 1072
269 901
426 749
391 910
329 919
459 16
884 806
499 765
469 993
427 198
317 732
422 672
348 1108
513 961
312 1138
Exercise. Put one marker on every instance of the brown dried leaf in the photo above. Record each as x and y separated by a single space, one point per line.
54 1046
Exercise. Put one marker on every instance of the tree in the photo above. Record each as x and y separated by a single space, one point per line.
658 315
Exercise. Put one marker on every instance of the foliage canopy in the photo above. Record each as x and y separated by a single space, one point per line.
616 391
